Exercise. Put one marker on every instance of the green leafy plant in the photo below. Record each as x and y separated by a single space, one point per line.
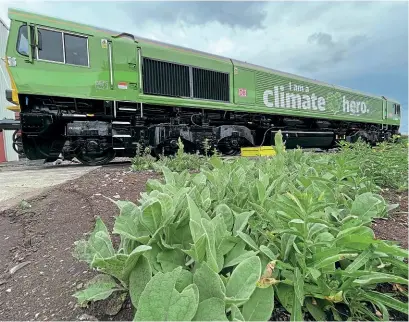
226 242
386 163
143 159
179 162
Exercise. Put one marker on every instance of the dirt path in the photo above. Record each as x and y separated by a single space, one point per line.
394 228
43 236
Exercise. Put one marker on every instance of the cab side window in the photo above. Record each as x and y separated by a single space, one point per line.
22 41
50 45
55 46
76 50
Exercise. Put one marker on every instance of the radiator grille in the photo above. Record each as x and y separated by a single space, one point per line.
210 85
163 78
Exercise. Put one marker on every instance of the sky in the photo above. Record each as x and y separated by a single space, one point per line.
361 45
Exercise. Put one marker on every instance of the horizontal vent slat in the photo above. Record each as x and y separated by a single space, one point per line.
166 79
211 85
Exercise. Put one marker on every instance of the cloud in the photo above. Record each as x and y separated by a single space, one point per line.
233 14
321 39
221 46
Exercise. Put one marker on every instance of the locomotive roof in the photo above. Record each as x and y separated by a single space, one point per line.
194 51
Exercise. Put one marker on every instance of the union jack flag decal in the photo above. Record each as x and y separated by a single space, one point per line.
242 92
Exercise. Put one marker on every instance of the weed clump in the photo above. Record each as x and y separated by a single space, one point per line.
290 232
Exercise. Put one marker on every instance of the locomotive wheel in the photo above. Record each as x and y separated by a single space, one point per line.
17 143
230 147
94 160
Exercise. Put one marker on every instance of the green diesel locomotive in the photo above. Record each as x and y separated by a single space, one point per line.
94 94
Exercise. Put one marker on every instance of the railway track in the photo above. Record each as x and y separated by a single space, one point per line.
23 165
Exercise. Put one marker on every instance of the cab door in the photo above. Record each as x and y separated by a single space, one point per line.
124 75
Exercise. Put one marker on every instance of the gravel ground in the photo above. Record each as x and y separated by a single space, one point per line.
41 237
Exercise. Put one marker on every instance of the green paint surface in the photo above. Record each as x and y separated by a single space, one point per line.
252 88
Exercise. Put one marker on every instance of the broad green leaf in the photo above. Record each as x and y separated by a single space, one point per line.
314 229
184 304
167 209
234 301
315 273
184 280
237 254
111 265
235 313
328 252
361 260
261 191
178 235
199 179
226 214
169 176
211 255
241 219
367 205
98 245
152 257
216 162
260 305
227 244
324 237
153 184
127 223
393 250
211 309
296 312
298 225
243 280
350 235
220 229
195 220
398 264
377 277
160 301
332 259
247 239
299 286
132 260
151 217
209 283
138 279
285 294
198 249
387 300
268 252
171 259
263 178
287 242
99 288
317 312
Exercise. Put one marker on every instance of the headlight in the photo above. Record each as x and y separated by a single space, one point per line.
12 61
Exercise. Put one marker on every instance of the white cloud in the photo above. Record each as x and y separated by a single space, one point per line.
222 46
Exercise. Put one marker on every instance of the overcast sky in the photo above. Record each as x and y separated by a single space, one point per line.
362 45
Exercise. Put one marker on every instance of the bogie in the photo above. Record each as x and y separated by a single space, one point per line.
76 128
